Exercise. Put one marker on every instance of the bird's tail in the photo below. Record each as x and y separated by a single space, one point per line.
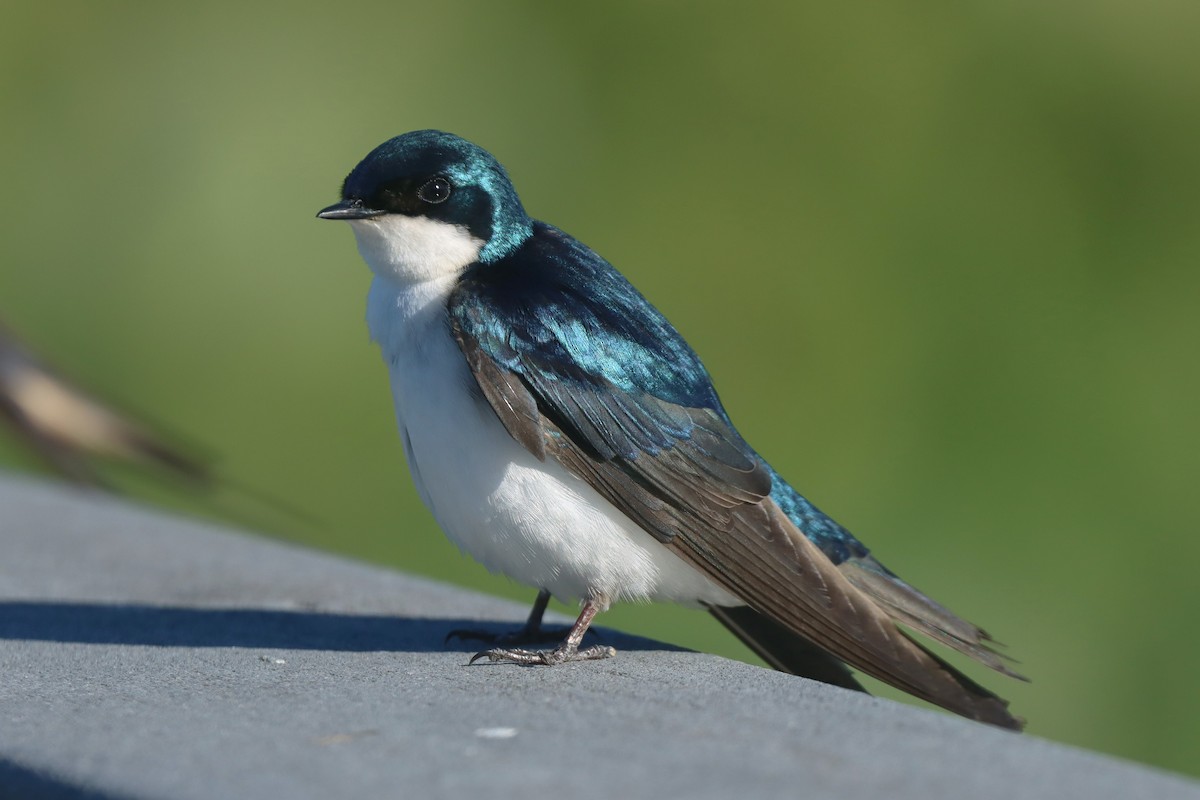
911 608
822 607
783 649
788 651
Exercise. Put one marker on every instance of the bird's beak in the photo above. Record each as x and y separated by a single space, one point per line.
348 209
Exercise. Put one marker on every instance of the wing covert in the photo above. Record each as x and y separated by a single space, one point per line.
569 353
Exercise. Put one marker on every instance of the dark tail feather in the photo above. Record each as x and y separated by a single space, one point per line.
784 650
990 707
789 652
910 607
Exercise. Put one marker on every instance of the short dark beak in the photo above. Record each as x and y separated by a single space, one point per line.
348 209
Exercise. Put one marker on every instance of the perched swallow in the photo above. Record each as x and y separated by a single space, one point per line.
564 434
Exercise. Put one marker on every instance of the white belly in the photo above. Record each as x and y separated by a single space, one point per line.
530 520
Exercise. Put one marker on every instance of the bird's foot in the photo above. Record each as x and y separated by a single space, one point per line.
564 653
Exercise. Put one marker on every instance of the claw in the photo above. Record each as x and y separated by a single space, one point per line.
567 651
477 656
562 654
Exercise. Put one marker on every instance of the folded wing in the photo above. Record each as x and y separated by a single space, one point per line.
581 369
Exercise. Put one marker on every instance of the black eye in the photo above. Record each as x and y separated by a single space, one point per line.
435 190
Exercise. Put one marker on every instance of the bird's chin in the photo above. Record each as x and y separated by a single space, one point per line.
415 249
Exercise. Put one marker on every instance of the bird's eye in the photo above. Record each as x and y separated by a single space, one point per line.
435 190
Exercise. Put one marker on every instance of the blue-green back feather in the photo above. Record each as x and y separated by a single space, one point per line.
609 370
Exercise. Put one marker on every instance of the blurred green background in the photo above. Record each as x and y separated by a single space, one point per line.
942 259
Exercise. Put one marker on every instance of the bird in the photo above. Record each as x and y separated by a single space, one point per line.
69 427
563 433
81 438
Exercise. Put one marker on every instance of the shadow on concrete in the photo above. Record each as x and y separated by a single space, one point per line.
159 626
28 784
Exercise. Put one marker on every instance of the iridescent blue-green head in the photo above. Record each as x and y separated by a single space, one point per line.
428 196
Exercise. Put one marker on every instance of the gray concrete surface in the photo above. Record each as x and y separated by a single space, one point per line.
145 656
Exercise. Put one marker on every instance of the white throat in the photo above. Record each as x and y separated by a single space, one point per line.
415 249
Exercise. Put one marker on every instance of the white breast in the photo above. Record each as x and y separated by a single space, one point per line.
530 520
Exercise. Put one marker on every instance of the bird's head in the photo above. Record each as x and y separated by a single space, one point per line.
428 203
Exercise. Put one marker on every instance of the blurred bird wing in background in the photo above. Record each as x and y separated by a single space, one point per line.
68 427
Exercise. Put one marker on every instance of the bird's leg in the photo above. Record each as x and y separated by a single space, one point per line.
530 633
567 651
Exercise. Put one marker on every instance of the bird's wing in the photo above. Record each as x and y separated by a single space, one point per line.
580 368
66 425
